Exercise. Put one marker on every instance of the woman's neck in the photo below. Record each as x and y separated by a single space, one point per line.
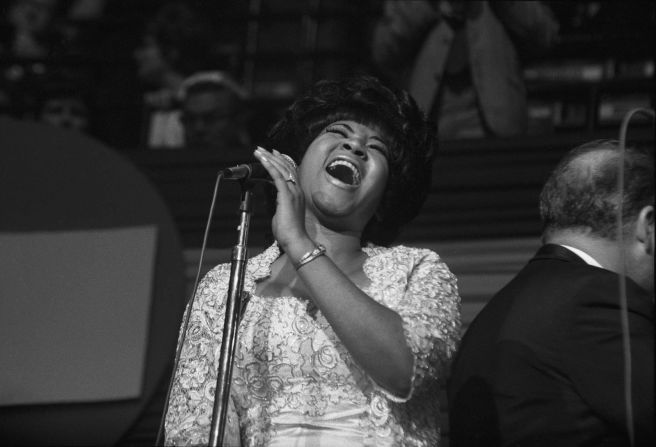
341 246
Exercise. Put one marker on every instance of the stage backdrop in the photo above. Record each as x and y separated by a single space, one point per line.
91 290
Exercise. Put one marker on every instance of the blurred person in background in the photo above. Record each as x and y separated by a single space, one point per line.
214 113
461 60
29 31
40 39
64 105
176 43
41 29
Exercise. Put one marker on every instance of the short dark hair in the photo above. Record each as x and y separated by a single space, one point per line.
366 100
582 191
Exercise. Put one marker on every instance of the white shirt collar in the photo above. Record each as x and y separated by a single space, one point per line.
583 255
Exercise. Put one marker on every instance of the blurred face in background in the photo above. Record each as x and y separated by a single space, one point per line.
67 113
212 120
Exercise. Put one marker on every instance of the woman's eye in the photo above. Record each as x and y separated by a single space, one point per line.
337 130
381 149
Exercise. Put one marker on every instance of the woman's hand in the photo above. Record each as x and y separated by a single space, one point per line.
288 223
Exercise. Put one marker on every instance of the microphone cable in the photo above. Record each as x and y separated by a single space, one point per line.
190 303
624 311
188 309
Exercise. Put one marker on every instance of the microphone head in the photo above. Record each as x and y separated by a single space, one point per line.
252 171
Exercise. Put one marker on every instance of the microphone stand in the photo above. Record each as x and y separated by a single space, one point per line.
232 314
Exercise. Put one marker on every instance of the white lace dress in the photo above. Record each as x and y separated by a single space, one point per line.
294 383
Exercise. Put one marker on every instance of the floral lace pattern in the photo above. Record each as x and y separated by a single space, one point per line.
290 365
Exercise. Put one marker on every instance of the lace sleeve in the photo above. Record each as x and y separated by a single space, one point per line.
190 405
430 309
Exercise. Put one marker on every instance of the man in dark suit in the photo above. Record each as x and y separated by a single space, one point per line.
551 360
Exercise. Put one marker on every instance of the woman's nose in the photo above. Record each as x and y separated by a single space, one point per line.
355 147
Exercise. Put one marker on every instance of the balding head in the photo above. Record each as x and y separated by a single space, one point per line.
581 201
582 193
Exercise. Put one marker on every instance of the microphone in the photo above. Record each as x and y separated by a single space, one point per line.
251 171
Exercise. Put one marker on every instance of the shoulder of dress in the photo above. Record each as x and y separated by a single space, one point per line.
404 251
218 270
405 259
259 266
259 262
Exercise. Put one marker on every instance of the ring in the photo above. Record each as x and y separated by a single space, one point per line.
291 179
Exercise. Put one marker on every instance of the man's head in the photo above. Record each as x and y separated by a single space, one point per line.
582 199
214 112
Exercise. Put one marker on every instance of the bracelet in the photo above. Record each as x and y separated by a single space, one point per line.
310 256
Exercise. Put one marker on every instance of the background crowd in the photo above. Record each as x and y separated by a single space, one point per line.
116 69
199 76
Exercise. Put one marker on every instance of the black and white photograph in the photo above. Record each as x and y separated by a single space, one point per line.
327 223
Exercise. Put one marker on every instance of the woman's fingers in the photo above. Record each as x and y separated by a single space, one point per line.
288 220
287 160
282 162
278 165
266 159
290 162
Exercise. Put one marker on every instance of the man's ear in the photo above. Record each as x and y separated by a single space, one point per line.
645 228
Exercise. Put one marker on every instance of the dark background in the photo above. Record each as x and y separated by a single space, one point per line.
481 214
277 48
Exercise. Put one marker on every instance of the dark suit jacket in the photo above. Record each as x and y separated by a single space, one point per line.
543 363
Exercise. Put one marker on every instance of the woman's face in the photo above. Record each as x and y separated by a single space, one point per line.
344 173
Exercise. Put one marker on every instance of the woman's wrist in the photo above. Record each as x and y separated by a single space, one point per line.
298 247
310 256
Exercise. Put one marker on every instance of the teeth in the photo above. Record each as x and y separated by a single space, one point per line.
355 173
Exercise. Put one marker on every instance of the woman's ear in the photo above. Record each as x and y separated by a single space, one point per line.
645 229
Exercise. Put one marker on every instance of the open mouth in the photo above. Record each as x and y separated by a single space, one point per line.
344 171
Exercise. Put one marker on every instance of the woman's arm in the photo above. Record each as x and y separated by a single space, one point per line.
372 333
423 326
